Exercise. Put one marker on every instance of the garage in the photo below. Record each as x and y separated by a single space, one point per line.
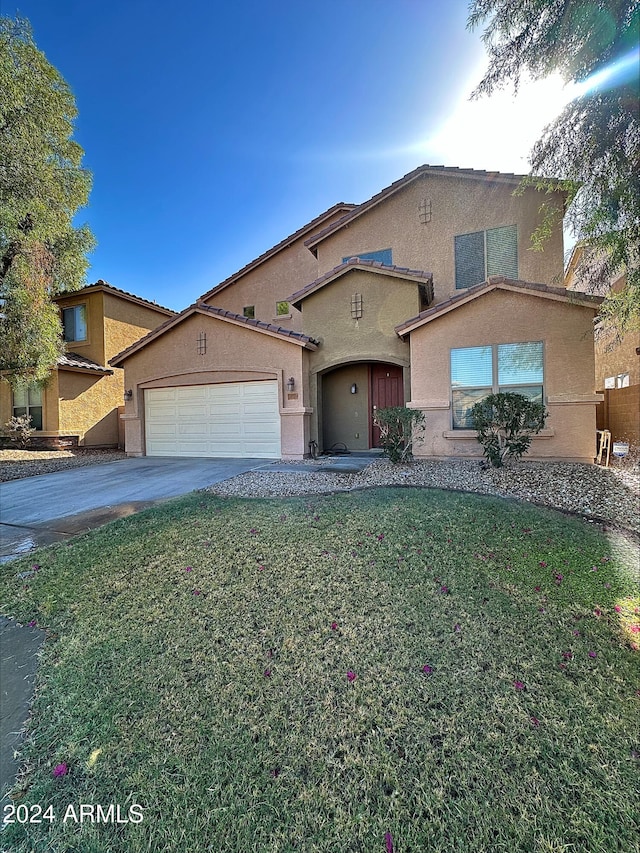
240 419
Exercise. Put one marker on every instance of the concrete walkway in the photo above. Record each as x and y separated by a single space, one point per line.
18 662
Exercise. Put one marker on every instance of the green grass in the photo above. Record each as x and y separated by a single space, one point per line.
228 716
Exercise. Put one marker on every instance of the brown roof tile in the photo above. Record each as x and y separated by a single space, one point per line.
80 362
223 314
356 263
478 174
497 282
109 288
283 244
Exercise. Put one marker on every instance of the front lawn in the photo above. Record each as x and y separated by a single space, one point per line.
395 669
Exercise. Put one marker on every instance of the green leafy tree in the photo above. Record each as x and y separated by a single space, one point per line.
42 186
506 423
593 146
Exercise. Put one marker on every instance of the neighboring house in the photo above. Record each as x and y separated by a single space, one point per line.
81 399
426 294
617 367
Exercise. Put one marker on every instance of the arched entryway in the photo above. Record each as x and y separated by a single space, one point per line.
350 395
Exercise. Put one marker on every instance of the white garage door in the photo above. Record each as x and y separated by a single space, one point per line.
232 419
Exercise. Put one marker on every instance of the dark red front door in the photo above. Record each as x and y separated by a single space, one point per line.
386 389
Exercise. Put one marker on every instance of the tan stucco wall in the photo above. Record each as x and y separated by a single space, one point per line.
386 302
502 317
612 358
49 404
89 406
273 281
94 346
326 315
125 322
85 404
234 353
458 206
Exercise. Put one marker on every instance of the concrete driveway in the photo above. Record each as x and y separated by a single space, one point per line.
39 510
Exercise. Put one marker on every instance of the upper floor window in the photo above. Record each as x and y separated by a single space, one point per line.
249 311
282 309
74 322
477 372
383 256
483 253
27 400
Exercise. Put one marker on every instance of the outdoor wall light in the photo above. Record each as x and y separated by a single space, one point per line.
128 395
354 388
291 383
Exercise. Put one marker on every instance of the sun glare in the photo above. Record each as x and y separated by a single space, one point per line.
498 132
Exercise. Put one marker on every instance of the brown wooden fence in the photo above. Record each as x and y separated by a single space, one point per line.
620 414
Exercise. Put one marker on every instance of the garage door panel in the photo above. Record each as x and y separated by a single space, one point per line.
190 411
197 430
228 420
191 392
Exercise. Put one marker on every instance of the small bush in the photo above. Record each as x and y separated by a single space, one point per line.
506 423
400 428
19 430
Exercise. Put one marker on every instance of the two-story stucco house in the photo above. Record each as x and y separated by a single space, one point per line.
81 399
426 294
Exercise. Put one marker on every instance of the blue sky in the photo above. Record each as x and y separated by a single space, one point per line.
213 130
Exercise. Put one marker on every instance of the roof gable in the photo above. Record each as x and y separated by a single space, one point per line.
417 276
105 287
219 314
498 282
279 247
401 183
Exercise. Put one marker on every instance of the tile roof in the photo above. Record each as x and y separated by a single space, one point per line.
80 362
498 282
109 288
257 324
356 263
477 174
283 244
229 316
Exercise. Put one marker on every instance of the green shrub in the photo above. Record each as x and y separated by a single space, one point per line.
506 423
400 428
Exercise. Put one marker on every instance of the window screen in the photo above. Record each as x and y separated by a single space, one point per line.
502 251
469 257
483 253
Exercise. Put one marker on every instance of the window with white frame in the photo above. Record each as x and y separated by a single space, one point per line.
477 372
74 322
27 400
483 253
619 381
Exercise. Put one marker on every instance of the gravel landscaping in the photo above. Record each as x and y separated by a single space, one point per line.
604 494
16 464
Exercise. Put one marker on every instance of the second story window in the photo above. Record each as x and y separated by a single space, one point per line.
249 311
282 309
383 256
483 253
74 321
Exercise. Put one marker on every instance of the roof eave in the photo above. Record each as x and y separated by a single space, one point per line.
494 283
